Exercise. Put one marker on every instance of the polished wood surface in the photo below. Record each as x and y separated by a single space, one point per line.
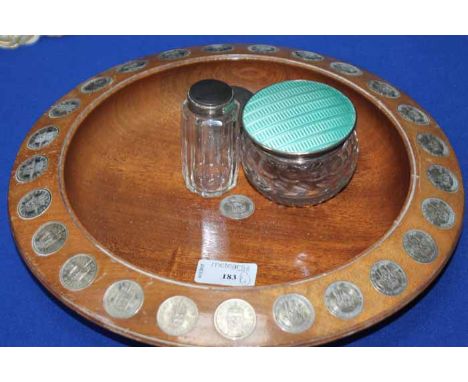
115 177
123 179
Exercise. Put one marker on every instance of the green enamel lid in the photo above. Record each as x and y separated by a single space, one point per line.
299 117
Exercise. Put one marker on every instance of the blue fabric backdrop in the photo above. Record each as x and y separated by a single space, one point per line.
433 70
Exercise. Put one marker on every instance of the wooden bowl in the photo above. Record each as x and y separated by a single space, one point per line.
114 176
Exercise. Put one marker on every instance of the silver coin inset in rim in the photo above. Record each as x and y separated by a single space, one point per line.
177 315
131 66
49 238
442 178
237 207
218 48
96 84
388 278
262 48
235 319
31 169
43 137
438 213
293 313
384 89
123 299
346 69
307 56
78 272
344 300
174 54
420 246
64 108
413 114
34 203
433 145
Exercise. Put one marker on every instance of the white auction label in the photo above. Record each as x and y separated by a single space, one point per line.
225 273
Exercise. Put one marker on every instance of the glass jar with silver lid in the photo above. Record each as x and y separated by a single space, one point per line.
299 143
210 138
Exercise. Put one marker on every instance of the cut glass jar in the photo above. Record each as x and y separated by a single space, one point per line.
299 144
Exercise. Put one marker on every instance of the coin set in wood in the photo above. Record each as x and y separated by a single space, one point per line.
102 218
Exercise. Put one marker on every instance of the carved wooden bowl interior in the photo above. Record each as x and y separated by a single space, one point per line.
115 176
123 180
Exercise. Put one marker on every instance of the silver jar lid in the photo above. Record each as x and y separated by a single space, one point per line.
207 97
299 118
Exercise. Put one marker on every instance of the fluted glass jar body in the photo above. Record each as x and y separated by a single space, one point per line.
301 180
209 150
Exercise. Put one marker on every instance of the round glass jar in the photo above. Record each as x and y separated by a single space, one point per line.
299 143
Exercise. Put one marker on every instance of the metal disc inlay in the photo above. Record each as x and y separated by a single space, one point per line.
442 178
384 89
31 169
177 315
388 278
235 319
96 84
438 212
261 48
420 246
433 145
218 48
413 114
43 137
78 272
64 108
49 238
347 69
344 300
293 313
174 54
123 299
307 56
131 66
34 203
